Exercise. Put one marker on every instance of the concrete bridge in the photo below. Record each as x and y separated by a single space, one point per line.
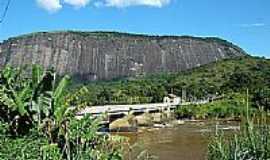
127 109
114 112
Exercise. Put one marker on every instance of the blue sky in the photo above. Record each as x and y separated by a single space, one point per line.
244 22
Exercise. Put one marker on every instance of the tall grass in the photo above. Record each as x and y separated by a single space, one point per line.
252 143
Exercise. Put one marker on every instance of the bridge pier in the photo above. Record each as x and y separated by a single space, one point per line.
157 117
143 114
144 120
126 123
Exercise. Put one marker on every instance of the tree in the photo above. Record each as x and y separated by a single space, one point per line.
261 98
239 80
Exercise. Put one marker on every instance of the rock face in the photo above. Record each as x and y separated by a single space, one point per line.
108 55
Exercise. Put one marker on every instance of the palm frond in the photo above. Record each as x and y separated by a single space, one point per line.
59 90
37 75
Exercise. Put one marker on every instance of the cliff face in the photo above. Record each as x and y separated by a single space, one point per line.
107 55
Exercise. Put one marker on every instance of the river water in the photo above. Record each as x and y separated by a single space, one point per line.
184 142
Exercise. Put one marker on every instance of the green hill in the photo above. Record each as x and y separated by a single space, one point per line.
220 78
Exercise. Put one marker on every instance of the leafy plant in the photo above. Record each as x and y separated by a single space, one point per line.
42 103
15 95
230 106
251 143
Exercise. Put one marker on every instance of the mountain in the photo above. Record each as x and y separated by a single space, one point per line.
109 55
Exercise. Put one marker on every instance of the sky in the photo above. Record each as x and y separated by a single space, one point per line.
243 22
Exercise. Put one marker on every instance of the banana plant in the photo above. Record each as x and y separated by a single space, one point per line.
42 86
48 96
36 98
14 92
53 105
15 95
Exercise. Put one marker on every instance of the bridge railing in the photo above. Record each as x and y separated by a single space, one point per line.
125 108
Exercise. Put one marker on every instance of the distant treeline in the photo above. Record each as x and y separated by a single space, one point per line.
222 77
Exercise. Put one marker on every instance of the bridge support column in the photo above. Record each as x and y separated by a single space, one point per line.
157 117
168 112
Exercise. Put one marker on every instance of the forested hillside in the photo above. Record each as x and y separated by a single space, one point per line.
220 78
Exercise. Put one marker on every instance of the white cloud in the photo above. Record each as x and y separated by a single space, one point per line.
77 3
127 3
252 25
50 5
55 5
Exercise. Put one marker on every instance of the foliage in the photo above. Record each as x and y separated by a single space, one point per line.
83 143
3 128
230 106
222 77
41 103
251 143
50 152
15 100
21 147
261 98
124 92
25 101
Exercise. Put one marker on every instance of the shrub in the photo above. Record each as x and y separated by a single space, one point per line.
21 147
225 108
251 143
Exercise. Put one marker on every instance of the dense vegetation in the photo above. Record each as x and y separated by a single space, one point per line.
230 106
252 142
220 78
36 121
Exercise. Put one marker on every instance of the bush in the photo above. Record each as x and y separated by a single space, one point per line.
251 143
226 108
21 147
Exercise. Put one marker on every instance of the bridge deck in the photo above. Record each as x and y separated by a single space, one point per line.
126 108
117 110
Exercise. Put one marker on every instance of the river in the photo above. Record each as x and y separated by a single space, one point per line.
183 142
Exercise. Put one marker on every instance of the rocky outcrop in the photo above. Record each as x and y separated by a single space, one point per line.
108 55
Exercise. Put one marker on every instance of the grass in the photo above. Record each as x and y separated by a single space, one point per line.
251 143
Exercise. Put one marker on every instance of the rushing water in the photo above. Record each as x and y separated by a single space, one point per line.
184 142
